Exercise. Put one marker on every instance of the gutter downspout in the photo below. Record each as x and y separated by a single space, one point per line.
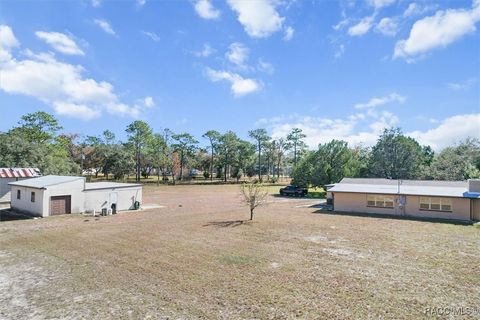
401 199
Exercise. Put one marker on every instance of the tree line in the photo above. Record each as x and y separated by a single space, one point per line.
37 141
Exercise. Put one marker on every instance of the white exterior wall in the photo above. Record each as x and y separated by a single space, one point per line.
5 188
25 204
81 199
73 189
97 199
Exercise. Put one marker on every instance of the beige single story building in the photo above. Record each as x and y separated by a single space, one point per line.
457 200
54 195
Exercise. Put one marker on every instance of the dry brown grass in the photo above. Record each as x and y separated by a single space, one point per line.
198 258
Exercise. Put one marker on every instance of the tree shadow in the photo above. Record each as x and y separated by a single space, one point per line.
9 215
277 195
392 217
227 224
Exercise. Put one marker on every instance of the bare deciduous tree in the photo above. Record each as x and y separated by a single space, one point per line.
254 195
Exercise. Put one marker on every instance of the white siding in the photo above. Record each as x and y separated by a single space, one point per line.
81 199
73 189
96 199
5 188
25 204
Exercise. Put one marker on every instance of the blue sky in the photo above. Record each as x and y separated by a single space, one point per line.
342 70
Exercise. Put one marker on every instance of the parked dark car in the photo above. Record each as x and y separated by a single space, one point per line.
292 190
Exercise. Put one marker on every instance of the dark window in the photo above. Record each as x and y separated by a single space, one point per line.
32 197
19 194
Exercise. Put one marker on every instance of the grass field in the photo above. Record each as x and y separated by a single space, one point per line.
197 257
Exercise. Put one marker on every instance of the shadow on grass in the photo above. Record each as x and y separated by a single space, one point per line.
308 196
392 217
8 215
227 224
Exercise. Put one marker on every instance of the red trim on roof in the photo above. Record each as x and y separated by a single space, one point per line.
19 172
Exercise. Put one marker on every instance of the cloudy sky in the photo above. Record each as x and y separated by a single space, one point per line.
342 70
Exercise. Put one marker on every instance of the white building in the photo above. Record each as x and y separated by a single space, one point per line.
8 175
54 195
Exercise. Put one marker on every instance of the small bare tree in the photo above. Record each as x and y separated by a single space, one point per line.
254 195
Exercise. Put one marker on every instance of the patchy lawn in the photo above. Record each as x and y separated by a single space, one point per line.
197 257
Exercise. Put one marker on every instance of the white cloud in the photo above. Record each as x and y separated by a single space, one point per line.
105 26
239 85
318 130
362 27
387 27
352 129
265 66
59 84
151 35
7 38
289 31
259 18
411 10
339 51
7 42
148 102
205 10
60 42
141 3
73 110
343 23
96 3
357 128
376 102
464 85
414 9
378 4
237 54
449 131
439 30
322 130
206 51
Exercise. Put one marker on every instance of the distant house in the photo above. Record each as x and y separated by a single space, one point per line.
54 195
459 200
8 175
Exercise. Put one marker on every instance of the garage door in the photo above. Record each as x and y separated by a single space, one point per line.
60 205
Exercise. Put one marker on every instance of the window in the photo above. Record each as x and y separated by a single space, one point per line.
435 204
19 194
379 200
32 197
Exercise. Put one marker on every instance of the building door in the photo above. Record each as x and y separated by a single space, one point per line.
475 209
60 205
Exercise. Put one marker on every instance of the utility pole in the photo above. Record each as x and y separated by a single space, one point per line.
82 158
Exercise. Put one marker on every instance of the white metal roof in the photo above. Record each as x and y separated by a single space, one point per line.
406 189
109 185
383 181
43 182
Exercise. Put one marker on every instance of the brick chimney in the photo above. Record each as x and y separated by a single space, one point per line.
474 185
